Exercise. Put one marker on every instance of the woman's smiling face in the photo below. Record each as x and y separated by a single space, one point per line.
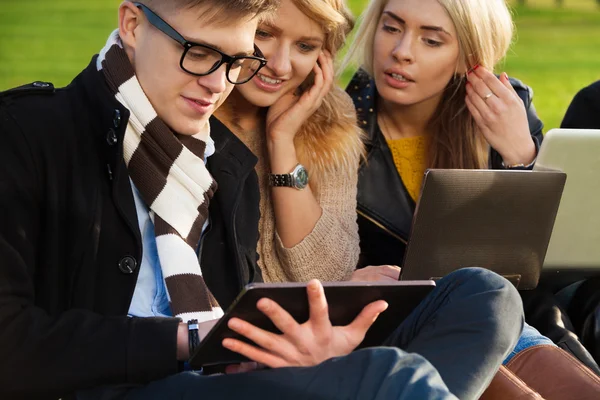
291 43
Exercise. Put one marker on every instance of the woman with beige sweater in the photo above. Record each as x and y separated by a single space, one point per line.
303 130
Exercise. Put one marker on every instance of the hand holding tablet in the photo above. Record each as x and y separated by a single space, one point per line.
296 324
306 344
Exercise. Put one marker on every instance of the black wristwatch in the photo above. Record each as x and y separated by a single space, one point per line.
193 337
298 178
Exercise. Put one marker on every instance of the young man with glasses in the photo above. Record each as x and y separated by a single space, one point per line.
108 246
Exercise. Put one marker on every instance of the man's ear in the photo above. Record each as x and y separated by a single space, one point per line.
129 20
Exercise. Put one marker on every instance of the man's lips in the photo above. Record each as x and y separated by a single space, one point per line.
200 106
201 102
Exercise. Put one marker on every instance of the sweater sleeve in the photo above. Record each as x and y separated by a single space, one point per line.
330 252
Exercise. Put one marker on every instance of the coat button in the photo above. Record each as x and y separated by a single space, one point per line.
127 265
111 137
117 118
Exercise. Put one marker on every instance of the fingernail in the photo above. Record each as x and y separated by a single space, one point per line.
264 304
473 69
233 324
505 75
313 286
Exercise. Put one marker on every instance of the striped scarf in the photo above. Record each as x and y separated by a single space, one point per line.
169 172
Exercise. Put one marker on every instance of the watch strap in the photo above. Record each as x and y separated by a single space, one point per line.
193 336
281 180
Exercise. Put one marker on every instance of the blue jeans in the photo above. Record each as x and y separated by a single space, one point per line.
529 337
450 346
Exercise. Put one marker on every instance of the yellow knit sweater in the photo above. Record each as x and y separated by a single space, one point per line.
330 252
410 158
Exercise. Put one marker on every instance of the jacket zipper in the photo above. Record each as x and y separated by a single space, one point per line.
380 226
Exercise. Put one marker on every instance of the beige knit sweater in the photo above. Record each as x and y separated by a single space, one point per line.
330 252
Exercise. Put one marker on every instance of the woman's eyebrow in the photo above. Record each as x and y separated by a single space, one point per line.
424 27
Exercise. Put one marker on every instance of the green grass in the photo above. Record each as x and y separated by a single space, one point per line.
556 51
51 39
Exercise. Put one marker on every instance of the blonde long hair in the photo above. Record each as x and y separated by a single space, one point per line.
330 140
484 29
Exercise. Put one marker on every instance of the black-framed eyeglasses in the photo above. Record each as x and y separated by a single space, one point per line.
201 59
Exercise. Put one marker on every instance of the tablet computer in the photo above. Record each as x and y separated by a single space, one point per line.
345 300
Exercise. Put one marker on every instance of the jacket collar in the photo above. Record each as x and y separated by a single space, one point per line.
229 147
107 112
108 121
392 212
363 92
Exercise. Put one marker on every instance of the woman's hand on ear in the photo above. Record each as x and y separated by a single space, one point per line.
287 115
501 116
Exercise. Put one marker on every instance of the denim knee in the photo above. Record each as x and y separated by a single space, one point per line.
494 292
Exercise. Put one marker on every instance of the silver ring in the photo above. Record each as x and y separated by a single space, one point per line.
487 96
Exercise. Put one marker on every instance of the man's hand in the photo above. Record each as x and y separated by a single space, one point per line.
374 273
305 344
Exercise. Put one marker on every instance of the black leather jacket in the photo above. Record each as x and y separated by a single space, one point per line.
385 209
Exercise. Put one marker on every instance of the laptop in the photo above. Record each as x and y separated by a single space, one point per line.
495 219
575 241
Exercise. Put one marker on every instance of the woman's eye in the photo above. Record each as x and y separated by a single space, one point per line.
432 43
305 47
261 34
390 29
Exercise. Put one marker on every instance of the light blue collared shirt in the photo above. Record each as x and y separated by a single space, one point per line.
150 295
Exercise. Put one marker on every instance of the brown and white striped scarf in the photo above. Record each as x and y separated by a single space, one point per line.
170 174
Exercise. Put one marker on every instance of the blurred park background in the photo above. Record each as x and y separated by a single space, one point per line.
556 47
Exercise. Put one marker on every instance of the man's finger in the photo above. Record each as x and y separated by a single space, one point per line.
361 324
267 340
254 353
317 303
280 317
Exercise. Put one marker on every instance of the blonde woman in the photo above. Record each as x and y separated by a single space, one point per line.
426 98
303 130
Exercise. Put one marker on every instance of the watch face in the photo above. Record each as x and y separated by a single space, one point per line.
300 177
